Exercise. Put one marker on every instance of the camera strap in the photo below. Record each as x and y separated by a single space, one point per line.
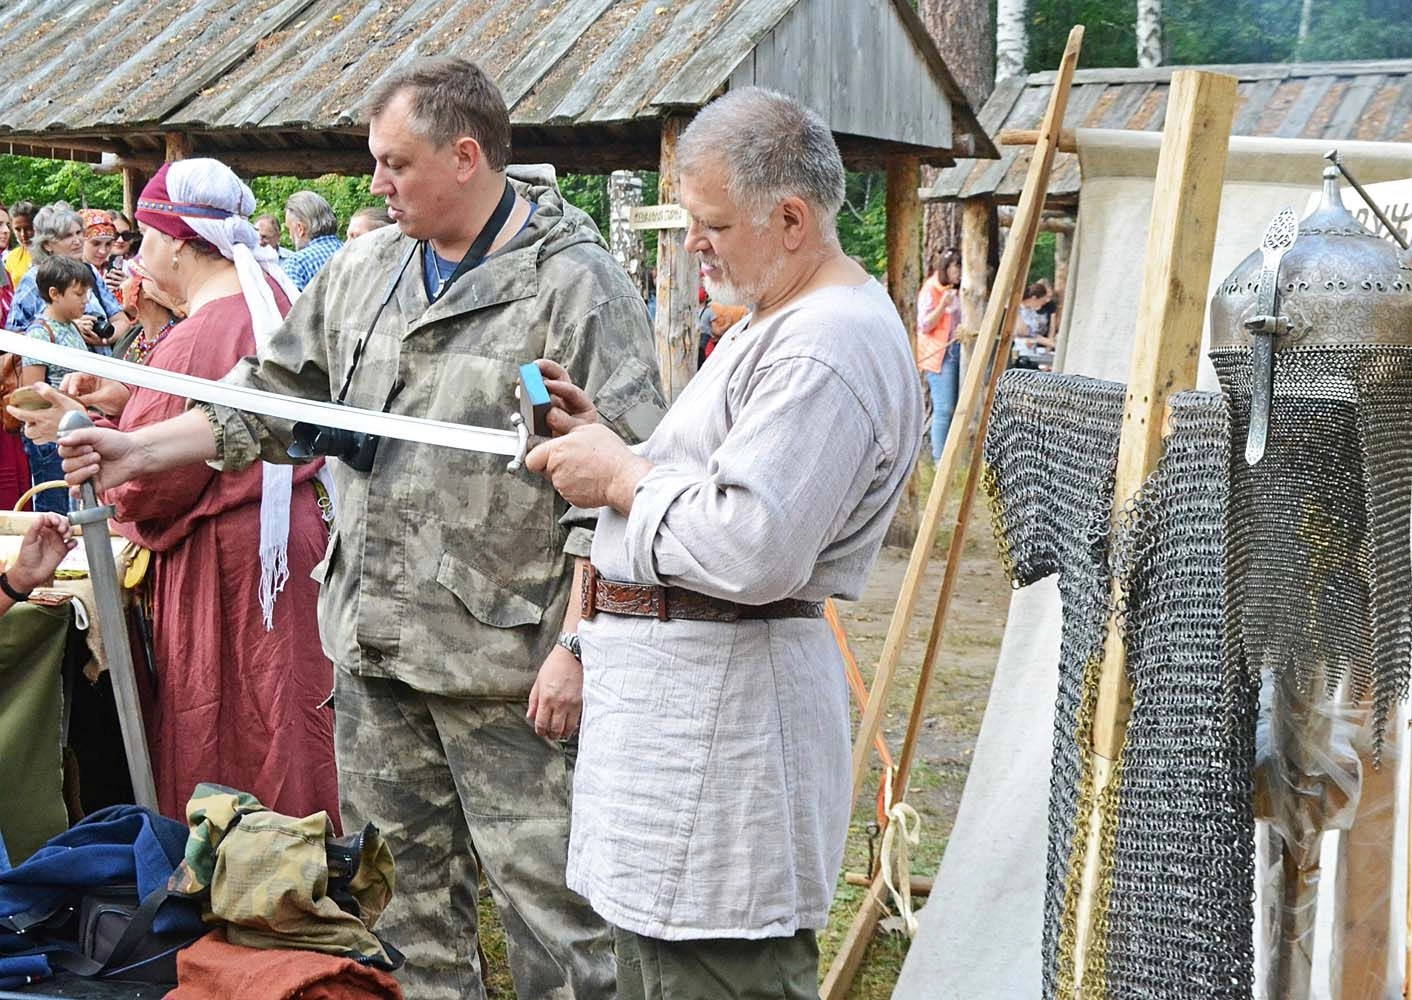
478 249
363 340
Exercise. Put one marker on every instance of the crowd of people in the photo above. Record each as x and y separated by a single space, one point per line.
637 616
941 334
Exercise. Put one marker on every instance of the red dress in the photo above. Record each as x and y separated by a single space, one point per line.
235 704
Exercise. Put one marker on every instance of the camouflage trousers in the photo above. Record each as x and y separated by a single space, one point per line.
458 786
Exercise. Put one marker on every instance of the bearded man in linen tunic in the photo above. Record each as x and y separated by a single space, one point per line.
713 794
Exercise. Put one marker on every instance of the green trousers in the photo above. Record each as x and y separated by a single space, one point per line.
717 968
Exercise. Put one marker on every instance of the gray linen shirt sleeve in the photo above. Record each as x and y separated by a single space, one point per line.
798 459
613 346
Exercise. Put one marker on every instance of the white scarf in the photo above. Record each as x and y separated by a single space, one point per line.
210 182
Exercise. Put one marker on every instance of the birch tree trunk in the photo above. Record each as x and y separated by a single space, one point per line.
1011 39
624 194
1149 33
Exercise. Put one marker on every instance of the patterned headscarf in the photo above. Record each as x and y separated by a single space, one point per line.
97 222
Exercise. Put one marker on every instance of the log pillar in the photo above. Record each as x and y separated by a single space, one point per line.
134 180
179 146
975 257
904 281
678 277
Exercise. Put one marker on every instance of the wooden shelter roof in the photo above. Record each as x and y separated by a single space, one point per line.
588 82
1335 101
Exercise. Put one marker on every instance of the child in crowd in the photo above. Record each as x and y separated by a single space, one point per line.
64 284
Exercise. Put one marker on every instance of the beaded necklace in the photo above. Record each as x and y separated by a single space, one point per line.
142 345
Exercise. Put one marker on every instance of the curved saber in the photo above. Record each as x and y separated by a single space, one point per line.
465 437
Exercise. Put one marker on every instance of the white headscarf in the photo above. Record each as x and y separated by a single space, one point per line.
210 182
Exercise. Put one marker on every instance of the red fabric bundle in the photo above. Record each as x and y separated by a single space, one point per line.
213 968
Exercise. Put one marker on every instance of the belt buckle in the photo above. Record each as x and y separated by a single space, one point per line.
659 602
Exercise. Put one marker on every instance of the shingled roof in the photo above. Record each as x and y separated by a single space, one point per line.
588 82
1335 101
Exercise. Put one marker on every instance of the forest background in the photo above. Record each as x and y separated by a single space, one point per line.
1187 32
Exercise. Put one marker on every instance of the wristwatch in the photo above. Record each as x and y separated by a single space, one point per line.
569 640
23 595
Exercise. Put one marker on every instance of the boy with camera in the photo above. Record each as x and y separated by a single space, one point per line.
64 284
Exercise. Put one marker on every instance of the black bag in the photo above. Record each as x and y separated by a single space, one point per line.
116 940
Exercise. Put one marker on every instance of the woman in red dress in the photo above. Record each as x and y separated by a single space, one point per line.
242 681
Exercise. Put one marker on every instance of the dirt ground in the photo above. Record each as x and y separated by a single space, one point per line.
955 706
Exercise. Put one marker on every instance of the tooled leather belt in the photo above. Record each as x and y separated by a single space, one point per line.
667 603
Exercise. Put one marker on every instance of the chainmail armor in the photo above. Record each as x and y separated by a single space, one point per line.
1180 913
1321 574
1050 454
1174 909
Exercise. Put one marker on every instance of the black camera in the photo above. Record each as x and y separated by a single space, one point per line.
103 328
354 448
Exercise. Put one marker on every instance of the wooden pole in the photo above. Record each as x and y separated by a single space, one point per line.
850 952
677 277
1009 286
1171 307
133 183
948 581
920 885
178 145
904 280
1030 137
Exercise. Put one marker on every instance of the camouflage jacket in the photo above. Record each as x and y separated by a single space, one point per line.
445 571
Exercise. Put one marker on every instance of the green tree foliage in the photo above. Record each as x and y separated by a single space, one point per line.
44 181
1219 31
345 195
862 222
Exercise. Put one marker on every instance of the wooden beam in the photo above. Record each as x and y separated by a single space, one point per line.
1171 308
1051 222
1030 136
904 281
1009 286
920 885
678 277
134 180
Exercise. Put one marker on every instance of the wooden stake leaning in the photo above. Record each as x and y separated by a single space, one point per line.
1004 301
948 580
1171 309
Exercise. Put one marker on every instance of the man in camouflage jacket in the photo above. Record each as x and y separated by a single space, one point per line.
447 579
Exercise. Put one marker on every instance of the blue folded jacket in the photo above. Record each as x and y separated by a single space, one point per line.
119 845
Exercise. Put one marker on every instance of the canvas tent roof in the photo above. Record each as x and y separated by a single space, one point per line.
1334 101
588 81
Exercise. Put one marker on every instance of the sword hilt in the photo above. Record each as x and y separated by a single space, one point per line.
92 511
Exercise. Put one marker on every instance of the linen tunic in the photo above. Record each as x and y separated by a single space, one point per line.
712 793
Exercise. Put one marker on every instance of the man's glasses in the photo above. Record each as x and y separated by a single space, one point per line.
127 235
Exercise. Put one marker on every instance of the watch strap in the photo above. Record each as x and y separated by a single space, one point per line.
17 595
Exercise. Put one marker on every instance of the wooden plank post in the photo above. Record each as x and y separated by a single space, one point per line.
1009 286
678 277
133 183
1171 309
904 280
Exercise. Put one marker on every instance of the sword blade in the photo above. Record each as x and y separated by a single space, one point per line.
444 433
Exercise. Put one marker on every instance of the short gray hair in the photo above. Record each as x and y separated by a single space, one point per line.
310 208
52 223
772 148
451 97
